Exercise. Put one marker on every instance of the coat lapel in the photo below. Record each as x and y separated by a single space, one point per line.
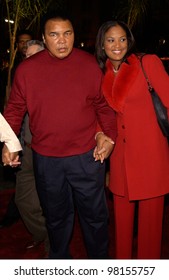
116 88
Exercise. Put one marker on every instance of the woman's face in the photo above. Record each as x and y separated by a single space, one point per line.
115 44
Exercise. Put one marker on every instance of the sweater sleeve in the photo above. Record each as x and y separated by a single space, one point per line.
8 136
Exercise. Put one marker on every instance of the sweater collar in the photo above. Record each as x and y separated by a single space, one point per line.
116 88
54 59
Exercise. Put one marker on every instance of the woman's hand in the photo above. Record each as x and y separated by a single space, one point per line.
104 147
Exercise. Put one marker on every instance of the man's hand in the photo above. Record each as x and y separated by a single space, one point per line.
9 158
104 147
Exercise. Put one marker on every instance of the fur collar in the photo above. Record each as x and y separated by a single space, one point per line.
116 88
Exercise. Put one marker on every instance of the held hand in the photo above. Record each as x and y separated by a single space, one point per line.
104 147
9 158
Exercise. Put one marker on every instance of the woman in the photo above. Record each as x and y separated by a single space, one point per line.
139 164
11 143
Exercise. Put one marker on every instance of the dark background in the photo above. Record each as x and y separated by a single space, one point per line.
151 32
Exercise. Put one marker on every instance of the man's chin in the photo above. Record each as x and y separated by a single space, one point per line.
62 55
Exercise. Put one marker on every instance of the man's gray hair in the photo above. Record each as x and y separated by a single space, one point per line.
36 42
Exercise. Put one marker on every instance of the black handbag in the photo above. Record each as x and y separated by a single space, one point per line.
160 109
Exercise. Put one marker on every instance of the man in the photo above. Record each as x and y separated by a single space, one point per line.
60 88
26 196
23 36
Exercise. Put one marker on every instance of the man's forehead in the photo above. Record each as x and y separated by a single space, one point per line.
24 37
59 24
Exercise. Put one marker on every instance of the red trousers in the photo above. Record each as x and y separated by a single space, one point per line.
150 217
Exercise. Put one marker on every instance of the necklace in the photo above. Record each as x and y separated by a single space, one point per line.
115 70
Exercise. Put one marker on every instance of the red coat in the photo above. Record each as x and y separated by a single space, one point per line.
140 160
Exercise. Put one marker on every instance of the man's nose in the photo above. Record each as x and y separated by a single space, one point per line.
61 39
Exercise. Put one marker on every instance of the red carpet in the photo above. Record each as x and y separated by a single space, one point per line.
13 239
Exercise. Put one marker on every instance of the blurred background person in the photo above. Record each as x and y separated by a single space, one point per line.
26 197
22 37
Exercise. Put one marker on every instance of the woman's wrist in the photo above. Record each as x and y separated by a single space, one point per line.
99 132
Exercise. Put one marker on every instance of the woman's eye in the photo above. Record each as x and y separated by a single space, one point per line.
110 40
68 33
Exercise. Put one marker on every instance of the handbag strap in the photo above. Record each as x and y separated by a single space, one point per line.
150 87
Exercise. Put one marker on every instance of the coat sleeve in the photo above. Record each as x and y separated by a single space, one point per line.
8 136
158 77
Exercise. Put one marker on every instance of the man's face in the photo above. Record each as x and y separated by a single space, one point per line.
59 37
32 50
22 40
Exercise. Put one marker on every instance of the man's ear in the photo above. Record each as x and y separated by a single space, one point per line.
43 38
16 45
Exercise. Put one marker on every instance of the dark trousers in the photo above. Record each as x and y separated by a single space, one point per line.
60 182
27 199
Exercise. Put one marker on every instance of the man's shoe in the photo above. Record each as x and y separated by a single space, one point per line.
33 244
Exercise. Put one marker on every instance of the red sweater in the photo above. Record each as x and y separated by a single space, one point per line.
64 103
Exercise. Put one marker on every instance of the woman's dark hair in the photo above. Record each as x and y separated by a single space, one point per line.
99 51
